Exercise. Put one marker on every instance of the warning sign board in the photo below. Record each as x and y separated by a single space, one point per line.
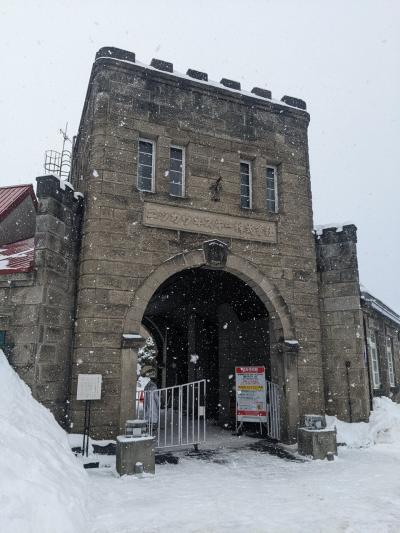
251 401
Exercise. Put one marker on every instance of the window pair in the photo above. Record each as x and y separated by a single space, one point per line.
373 347
246 187
146 168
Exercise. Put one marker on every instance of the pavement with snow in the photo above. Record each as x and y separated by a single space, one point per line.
235 485
254 492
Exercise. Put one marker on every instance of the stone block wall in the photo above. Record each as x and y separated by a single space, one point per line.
37 310
345 369
20 300
217 126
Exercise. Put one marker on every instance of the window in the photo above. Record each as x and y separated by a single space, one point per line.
145 181
389 355
2 339
177 171
376 380
245 185
272 189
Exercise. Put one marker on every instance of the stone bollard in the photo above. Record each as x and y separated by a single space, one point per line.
134 450
314 440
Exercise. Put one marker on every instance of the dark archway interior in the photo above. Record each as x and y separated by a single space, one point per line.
205 322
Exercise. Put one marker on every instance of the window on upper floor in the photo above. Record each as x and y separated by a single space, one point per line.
272 189
145 177
245 185
389 356
374 358
177 171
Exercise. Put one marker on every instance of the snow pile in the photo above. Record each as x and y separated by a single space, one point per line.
42 486
383 426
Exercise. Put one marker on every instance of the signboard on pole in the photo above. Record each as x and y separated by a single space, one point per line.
89 387
251 400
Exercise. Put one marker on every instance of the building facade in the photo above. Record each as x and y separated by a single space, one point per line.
381 326
196 228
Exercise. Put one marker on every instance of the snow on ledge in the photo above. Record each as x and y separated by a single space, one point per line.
333 225
65 183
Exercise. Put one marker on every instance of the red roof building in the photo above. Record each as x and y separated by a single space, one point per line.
18 205
17 256
11 197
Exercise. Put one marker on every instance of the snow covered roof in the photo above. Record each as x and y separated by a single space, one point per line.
17 257
376 304
11 197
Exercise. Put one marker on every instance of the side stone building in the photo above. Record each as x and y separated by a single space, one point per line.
193 224
381 327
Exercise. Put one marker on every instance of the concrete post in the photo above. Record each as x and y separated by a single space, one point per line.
130 345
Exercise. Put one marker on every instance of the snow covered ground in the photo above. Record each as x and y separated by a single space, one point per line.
255 492
242 490
44 489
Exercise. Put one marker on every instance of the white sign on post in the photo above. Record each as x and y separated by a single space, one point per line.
89 387
251 400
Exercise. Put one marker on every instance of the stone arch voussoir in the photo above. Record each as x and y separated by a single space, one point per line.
243 269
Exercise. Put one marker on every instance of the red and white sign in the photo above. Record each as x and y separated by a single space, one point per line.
251 401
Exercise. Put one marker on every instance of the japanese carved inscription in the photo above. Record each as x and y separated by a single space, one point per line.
195 221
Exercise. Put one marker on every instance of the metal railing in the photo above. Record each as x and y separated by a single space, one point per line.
176 416
273 410
58 163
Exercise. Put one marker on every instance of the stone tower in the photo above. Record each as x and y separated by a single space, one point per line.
169 162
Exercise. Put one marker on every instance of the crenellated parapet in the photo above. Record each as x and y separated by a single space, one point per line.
117 54
62 191
337 251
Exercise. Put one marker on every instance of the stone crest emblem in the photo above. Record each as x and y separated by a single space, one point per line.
215 253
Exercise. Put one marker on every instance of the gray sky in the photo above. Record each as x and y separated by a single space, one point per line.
342 57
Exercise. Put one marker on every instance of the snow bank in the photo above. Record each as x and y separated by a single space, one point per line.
383 426
42 486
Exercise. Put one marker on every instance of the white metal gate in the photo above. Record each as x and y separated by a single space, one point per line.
273 410
176 416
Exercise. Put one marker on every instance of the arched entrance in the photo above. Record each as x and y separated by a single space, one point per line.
206 322
266 305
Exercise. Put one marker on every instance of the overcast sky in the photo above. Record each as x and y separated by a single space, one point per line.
342 57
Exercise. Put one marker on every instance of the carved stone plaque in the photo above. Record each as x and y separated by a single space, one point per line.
215 252
196 221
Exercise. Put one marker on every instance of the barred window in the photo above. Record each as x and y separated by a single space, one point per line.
389 355
245 185
177 171
376 379
145 180
272 189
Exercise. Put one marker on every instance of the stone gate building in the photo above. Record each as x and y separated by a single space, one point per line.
195 227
